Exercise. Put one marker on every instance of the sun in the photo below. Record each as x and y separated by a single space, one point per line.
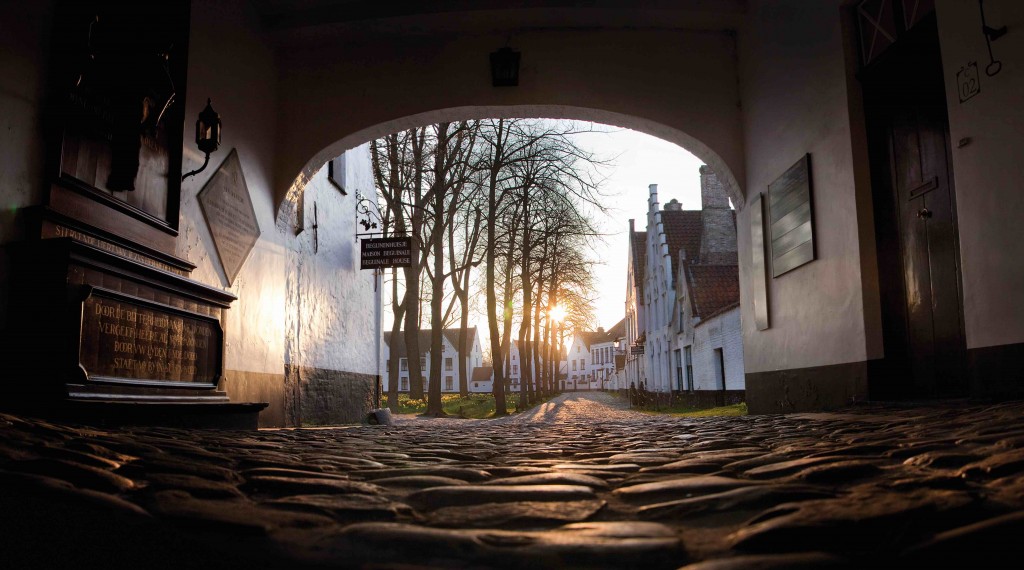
557 313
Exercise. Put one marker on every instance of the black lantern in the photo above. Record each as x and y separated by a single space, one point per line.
207 135
505 68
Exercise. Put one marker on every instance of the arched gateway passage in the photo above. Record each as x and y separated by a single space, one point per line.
698 148
678 84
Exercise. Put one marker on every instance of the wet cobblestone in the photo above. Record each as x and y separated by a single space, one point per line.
579 482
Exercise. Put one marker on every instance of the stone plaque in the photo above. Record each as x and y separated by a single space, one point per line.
124 338
790 218
759 274
228 210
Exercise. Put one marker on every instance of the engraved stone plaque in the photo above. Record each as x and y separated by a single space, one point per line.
790 219
228 210
760 291
132 339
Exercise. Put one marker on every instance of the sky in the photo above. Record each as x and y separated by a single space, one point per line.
639 160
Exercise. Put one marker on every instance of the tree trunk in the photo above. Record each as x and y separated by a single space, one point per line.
498 386
464 345
394 357
412 327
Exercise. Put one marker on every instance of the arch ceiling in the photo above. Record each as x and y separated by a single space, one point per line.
352 140
354 70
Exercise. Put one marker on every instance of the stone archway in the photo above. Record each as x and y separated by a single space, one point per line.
287 205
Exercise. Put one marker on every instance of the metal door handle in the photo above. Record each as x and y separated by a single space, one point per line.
924 213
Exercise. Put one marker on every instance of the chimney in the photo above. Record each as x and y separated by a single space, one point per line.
673 206
600 330
712 194
718 223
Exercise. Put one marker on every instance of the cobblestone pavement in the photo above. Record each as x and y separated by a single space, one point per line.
576 483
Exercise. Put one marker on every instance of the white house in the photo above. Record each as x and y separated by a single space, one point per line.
635 324
482 380
708 353
693 340
591 358
449 367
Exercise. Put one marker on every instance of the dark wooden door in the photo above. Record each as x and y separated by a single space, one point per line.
925 210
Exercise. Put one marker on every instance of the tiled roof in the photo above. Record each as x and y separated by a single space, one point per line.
713 288
639 246
682 233
482 374
594 337
451 334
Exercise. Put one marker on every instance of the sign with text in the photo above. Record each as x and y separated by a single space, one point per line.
386 252
139 340
230 215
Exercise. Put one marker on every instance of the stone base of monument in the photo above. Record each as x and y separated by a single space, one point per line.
226 415
100 333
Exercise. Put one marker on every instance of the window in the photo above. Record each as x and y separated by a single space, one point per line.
574 365
515 369
448 383
448 364
404 384
423 363
577 349
689 368
403 365
513 358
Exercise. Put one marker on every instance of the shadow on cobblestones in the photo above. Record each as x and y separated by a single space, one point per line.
578 482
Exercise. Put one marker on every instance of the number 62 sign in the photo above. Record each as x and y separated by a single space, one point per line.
967 83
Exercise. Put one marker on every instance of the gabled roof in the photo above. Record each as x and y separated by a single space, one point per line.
595 337
482 374
682 233
713 288
452 335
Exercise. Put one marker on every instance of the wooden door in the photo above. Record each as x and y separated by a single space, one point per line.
926 217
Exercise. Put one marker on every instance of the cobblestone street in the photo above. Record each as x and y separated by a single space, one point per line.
577 482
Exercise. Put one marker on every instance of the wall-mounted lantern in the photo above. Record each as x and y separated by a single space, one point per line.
505 68
207 135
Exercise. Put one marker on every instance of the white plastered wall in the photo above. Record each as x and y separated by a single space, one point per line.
793 85
720 331
225 36
988 170
332 304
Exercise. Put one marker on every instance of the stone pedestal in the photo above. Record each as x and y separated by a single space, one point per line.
105 331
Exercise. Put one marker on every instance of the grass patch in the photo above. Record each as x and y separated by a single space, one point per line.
686 412
476 406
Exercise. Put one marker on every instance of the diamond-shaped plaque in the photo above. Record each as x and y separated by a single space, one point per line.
228 210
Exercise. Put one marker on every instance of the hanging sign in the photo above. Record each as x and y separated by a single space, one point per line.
386 252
